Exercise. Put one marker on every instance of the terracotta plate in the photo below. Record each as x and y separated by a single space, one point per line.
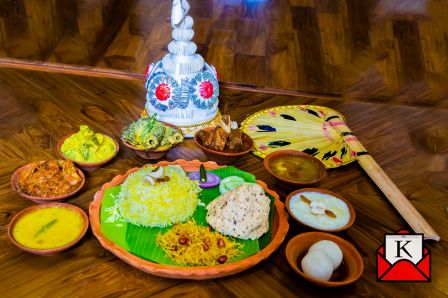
279 230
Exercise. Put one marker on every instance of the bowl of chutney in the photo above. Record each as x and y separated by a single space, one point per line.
295 167
48 228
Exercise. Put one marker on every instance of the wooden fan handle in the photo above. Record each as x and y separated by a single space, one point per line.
387 186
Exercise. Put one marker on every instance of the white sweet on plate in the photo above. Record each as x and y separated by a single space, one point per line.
317 264
331 249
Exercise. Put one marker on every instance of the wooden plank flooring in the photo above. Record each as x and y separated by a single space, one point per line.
389 50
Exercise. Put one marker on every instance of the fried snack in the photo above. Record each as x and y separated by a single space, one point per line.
49 179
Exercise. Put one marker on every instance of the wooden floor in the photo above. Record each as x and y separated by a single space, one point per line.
38 108
387 50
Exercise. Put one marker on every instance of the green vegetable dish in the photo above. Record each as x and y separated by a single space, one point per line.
148 133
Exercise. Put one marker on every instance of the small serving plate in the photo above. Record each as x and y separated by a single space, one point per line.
221 156
87 166
322 191
28 210
151 154
40 200
353 263
286 153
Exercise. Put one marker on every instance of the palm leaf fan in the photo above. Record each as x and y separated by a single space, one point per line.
322 132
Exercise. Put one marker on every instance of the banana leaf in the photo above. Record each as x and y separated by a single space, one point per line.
141 241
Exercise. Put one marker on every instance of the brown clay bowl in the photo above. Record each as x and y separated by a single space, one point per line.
323 191
353 264
151 153
279 231
87 166
41 200
287 153
28 210
223 157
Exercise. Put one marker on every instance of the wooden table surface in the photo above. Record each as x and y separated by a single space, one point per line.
37 108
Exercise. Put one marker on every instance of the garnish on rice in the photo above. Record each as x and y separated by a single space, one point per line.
189 244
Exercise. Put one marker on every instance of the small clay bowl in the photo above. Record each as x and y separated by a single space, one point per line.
323 191
87 166
151 153
223 157
353 265
40 200
287 153
28 210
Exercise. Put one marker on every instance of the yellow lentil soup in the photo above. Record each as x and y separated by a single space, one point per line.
48 228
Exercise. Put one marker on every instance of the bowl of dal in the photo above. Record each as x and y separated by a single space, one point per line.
295 167
87 149
320 209
48 228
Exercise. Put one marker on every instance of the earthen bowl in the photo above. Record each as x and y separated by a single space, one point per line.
88 166
353 263
323 191
224 157
41 200
28 210
287 153
151 154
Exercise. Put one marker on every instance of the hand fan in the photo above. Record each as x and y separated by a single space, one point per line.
322 132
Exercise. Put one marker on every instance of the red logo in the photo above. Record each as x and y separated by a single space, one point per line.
403 258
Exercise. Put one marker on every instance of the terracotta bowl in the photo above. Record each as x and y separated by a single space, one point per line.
150 153
221 156
40 200
323 191
53 250
279 231
87 166
352 262
285 153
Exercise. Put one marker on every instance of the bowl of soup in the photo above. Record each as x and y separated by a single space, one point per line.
48 228
295 167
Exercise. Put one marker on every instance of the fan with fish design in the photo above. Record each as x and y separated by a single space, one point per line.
301 127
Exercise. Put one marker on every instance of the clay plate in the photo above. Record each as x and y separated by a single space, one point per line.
221 156
87 166
150 153
40 200
324 191
299 245
52 250
279 230
280 153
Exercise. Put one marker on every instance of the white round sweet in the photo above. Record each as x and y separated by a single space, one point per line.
330 248
317 264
